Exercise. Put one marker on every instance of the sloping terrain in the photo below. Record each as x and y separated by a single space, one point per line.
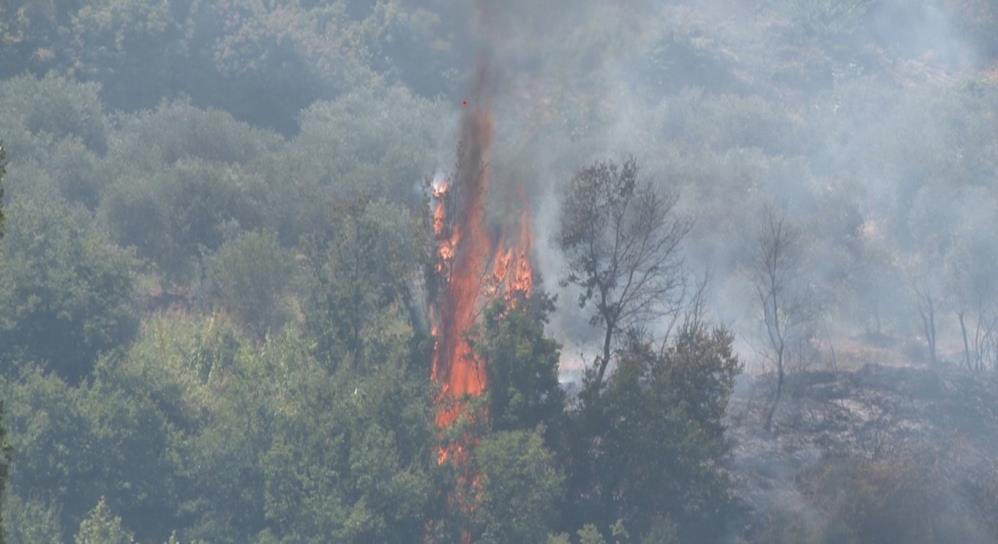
880 454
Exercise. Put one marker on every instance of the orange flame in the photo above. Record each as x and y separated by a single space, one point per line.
471 267
462 254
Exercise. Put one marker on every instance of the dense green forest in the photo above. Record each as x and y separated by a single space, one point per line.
217 246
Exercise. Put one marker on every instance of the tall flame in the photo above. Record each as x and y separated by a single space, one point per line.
471 268
472 265
463 253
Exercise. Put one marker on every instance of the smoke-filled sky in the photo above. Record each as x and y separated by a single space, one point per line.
866 122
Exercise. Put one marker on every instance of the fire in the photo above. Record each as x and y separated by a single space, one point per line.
511 270
472 267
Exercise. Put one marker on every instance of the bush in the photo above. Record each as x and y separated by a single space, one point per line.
249 276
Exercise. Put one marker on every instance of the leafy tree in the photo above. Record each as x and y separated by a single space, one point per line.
76 444
30 521
650 448
48 431
130 47
134 445
375 484
827 21
66 293
520 488
522 364
589 534
621 239
358 297
248 276
295 452
180 180
560 538
102 527
384 138
30 32
37 112
181 212
177 130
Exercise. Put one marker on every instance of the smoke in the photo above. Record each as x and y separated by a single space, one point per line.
842 114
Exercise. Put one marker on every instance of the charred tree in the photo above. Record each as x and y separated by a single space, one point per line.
787 307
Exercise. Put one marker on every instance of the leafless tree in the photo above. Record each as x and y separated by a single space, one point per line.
621 239
974 297
922 270
925 299
788 307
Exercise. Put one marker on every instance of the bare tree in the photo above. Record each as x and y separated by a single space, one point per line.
973 292
923 269
788 308
621 239
925 300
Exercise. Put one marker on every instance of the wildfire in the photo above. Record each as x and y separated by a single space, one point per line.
512 272
473 266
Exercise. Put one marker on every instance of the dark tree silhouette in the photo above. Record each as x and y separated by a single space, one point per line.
621 238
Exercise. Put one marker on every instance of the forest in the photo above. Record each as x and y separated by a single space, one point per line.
518 271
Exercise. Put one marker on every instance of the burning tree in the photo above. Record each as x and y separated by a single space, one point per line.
474 263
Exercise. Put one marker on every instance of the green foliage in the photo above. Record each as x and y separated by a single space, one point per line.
66 293
652 444
30 521
520 488
248 277
358 298
560 538
181 179
195 428
135 448
177 130
179 362
370 439
102 527
172 217
35 113
127 45
310 455
522 364
589 534
74 445
47 431
663 531
385 139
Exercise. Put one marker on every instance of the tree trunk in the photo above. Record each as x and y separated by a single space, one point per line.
966 343
929 326
779 390
605 358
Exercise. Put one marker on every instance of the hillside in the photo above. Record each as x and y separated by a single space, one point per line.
899 453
